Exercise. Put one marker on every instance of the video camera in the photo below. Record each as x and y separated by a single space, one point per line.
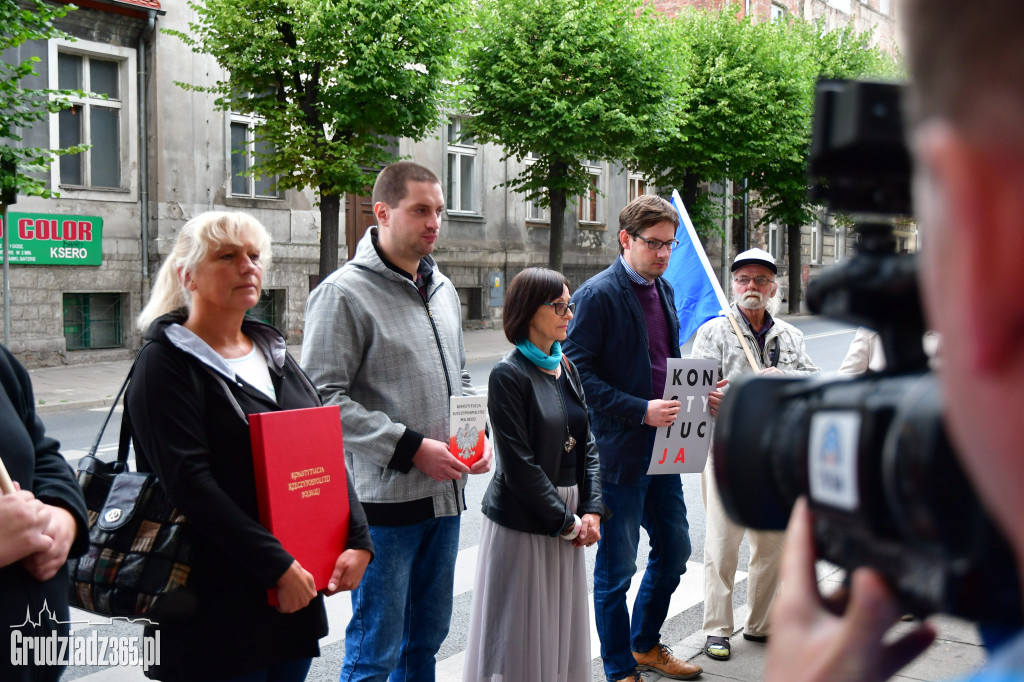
871 453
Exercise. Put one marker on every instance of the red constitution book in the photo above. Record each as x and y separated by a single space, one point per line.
299 461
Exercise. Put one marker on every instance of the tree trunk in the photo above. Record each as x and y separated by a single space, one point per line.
330 208
795 271
557 198
689 192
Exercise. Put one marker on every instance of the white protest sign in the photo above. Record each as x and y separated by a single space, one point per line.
682 447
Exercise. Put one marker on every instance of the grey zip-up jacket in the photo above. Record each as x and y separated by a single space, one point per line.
389 360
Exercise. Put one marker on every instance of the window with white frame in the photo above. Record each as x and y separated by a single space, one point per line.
246 147
841 5
534 212
589 207
883 7
773 240
638 186
462 170
840 244
778 12
101 116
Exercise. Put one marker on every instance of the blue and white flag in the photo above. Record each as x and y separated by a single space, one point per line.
699 296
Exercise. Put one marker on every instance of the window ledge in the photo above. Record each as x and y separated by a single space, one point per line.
253 202
465 217
582 225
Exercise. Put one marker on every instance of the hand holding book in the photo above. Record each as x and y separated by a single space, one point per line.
295 589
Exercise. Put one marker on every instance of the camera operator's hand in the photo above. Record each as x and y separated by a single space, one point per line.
715 397
839 639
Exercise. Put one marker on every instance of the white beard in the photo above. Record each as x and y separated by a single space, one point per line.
757 300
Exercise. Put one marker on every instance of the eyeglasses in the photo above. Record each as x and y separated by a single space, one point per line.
655 245
760 280
561 308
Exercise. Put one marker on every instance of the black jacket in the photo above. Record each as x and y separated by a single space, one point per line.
33 460
186 429
528 432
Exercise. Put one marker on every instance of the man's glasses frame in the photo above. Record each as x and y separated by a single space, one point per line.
656 245
760 280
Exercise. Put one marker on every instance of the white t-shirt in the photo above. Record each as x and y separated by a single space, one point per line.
253 369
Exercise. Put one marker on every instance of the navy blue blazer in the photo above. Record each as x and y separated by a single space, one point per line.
608 344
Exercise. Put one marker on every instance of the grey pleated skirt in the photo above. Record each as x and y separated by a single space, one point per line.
530 619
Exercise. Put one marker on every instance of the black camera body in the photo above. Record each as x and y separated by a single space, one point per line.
871 453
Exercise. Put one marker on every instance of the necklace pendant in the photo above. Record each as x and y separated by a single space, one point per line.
570 444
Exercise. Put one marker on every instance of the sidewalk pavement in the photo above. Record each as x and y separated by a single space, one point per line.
956 652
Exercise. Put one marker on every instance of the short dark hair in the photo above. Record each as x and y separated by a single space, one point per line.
392 182
965 67
646 211
529 290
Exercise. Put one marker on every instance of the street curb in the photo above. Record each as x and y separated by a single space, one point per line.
46 408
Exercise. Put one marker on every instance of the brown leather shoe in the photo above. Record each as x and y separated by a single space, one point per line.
661 660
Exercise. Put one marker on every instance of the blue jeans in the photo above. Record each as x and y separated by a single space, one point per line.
403 606
656 503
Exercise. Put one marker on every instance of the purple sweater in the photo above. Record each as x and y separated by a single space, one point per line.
658 342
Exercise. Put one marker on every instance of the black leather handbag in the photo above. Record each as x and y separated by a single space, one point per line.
138 561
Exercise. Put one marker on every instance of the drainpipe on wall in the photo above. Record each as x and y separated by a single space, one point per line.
727 230
144 153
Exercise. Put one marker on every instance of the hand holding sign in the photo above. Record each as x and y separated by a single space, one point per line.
682 445
661 412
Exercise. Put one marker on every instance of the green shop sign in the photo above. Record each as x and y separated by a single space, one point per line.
48 239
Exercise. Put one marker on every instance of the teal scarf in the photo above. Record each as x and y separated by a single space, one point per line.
537 356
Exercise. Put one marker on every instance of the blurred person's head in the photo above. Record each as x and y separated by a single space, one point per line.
201 237
966 105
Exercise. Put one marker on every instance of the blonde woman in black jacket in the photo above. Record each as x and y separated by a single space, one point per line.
530 618
206 367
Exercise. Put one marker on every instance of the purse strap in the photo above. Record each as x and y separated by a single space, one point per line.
122 446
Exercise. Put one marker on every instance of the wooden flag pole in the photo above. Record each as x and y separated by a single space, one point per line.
743 343
6 484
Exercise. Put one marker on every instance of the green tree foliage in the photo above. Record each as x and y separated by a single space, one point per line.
334 81
782 182
567 80
23 107
739 94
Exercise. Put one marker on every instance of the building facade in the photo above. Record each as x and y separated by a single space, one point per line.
81 264
161 154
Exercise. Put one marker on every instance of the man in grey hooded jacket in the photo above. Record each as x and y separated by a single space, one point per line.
383 340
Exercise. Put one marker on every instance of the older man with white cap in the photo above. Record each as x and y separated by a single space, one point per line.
775 347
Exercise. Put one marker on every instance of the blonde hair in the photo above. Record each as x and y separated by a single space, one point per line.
203 232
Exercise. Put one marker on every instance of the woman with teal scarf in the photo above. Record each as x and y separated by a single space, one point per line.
530 618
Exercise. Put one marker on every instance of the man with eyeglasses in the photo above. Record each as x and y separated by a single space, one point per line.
624 330
778 348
